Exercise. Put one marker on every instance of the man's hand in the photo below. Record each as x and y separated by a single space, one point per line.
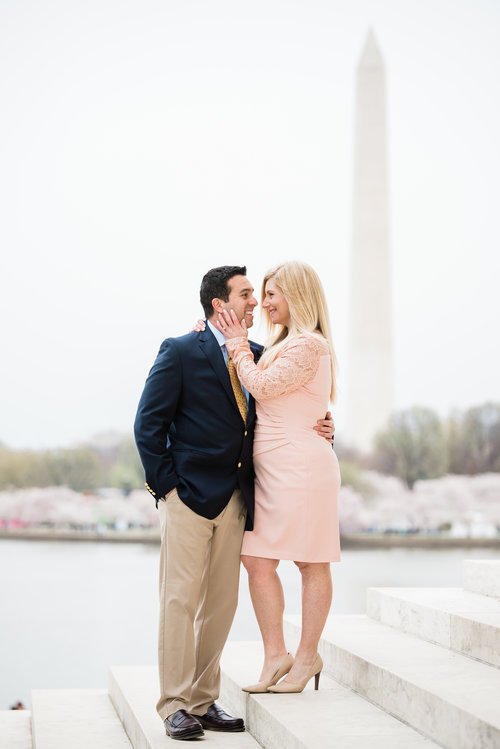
326 428
198 327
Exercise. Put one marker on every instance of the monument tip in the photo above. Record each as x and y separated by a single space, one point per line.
371 55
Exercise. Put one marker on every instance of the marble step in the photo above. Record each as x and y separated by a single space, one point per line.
15 729
76 719
482 576
451 617
448 697
134 693
334 717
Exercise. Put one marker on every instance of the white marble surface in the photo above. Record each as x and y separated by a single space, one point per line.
15 729
134 693
482 576
334 717
452 617
447 696
331 718
76 719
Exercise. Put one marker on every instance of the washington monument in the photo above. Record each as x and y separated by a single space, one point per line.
371 378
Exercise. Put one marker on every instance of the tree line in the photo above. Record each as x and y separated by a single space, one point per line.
418 444
83 468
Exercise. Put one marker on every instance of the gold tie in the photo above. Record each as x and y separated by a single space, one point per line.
241 401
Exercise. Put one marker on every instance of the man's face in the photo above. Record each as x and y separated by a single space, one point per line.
241 299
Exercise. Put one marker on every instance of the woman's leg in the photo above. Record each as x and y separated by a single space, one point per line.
316 602
269 603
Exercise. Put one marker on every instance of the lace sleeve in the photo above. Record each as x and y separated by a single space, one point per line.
295 366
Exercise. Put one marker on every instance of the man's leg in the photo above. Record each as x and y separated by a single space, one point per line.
185 545
218 603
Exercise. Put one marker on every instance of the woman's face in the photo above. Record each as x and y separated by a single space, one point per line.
276 304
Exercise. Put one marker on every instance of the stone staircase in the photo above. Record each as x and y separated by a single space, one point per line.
15 729
421 669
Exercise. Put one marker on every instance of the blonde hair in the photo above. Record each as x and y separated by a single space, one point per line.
303 291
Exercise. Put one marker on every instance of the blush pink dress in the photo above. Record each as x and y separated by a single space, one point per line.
297 472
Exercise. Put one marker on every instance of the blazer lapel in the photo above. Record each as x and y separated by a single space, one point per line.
212 351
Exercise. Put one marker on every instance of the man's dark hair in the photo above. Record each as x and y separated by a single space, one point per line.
215 285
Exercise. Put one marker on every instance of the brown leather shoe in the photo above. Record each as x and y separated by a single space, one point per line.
182 725
215 719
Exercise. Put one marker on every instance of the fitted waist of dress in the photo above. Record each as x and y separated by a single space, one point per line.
270 436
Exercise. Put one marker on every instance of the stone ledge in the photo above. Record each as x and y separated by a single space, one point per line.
15 729
456 619
449 698
334 717
76 719
482 576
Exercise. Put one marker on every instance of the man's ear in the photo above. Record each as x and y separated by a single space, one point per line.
217 305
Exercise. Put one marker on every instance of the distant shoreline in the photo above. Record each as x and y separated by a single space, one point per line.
394 540
350 541
151 536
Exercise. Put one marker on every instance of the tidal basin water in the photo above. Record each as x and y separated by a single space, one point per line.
69 610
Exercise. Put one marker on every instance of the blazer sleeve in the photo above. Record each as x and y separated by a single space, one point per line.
156 411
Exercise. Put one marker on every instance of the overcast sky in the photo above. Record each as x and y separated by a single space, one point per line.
142 143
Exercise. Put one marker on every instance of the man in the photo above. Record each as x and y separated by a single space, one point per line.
194 432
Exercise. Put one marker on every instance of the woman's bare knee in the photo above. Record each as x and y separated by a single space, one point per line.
258 565
314 568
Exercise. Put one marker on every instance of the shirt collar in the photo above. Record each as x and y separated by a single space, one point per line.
220 338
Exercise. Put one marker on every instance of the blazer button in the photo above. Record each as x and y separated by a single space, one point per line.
246 432
239 464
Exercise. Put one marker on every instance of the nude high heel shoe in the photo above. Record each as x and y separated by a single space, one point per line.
262 686
286 687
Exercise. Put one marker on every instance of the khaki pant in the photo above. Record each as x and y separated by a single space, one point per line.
199 576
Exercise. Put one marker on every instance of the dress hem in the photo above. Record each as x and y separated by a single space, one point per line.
289 558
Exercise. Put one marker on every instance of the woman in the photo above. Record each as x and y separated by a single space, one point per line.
297 475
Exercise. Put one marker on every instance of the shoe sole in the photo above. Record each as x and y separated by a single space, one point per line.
191 735
223 730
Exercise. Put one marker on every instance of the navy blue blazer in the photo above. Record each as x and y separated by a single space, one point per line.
189 431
